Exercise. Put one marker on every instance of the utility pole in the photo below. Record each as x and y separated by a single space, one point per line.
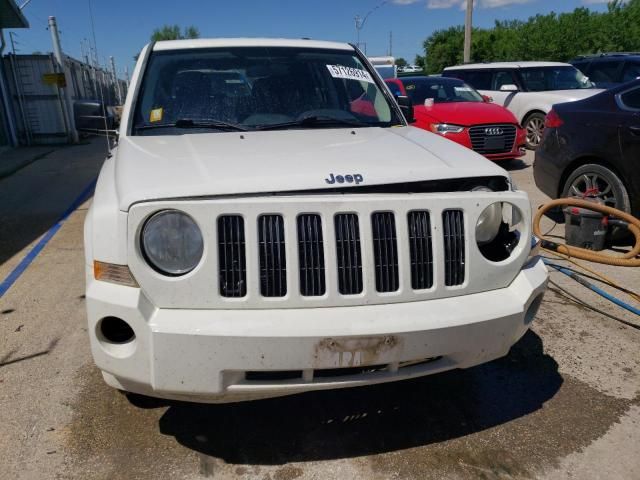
391 44
115 79
467 31
126 75
68 103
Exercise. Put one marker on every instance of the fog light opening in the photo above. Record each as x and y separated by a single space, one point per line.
532 311
115 330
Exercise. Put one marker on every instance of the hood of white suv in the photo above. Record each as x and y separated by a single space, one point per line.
212 164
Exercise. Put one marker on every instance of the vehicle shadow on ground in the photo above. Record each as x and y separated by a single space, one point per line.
514 165
377 419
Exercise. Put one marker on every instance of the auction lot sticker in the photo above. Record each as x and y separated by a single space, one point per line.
349 73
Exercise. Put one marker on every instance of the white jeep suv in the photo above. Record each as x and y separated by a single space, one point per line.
270 224
528 89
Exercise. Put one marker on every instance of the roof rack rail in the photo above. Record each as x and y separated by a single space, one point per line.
605 54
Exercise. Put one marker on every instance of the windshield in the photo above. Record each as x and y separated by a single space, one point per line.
247 88
542 79
441 90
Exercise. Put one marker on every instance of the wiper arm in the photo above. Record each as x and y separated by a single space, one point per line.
189 123
314 121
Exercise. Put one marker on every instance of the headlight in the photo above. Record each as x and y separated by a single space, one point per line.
443 128
172 242
498 230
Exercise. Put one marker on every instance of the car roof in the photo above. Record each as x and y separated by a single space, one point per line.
490 65
247 42
605 56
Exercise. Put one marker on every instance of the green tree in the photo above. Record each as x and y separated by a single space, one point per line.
444 48
556 37
173 32
401 62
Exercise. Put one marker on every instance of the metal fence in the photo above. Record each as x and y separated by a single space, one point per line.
38 105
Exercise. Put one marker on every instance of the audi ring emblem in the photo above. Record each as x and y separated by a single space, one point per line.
493 131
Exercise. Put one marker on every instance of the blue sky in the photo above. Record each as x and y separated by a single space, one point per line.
123 27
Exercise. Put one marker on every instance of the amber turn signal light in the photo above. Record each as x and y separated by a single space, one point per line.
118 274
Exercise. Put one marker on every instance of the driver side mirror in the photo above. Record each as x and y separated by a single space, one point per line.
509 88
487 99
406 105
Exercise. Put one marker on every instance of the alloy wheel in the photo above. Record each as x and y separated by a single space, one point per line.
535 127
595 186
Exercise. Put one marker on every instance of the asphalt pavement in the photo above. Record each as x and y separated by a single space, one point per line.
565 403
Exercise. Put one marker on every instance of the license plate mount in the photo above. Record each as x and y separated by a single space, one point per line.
494 143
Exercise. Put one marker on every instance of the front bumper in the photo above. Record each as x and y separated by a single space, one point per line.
232 355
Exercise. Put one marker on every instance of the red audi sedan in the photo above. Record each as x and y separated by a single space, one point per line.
453 109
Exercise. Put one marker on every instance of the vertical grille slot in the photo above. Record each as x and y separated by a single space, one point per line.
232 268
311 255
454 246
273 262
385 251
348 253
420 250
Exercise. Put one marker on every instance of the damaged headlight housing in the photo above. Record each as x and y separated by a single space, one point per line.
498 230
488 224
171 242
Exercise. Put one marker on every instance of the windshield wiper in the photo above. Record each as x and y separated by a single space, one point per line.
314 121
189 123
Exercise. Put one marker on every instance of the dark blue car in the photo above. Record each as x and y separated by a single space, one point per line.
609 70
591 148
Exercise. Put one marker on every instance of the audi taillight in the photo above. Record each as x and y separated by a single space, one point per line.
553 120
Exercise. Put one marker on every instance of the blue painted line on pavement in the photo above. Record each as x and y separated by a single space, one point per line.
31 256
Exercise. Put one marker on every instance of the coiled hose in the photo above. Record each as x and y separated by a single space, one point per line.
629 259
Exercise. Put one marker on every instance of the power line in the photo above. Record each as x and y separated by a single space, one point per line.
359 22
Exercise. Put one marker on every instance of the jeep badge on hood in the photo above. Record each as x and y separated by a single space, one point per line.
355 178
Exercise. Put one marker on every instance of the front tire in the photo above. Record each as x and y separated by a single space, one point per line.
534 126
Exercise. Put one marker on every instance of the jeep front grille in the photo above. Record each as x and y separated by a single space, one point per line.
317 251
311 255
273 261
231 256
348 253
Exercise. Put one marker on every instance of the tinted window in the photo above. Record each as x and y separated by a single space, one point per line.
632 99
604 72
540 79
257 86
479 80
395 89
582 66
456 74
631 71
441 90
502 77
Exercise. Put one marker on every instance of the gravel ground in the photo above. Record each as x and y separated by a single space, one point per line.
563 404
